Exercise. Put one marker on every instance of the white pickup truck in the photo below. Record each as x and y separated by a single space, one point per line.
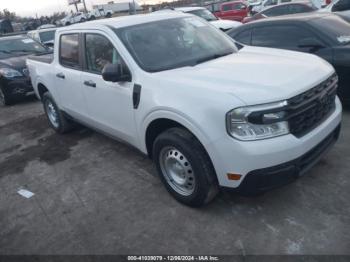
179 90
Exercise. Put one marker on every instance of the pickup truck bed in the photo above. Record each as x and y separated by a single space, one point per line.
46 58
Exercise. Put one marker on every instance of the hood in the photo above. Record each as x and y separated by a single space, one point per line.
17 62
254 75
225 24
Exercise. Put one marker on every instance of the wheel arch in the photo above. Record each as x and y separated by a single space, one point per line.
42 89
160 121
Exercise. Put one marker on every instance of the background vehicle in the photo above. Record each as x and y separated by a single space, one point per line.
204 13
268 3
33 24
337 6
100 12
235 10
14 78
282 9
44 36
73 18
46 26
322 34
147 99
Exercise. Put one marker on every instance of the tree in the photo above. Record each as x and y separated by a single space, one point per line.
7 14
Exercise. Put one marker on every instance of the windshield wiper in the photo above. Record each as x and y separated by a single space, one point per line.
211 57
5 51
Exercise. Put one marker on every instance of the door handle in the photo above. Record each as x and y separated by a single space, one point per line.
60 75
90 83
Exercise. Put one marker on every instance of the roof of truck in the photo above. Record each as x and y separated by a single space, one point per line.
124 21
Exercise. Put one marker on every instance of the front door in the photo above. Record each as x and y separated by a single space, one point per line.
110 104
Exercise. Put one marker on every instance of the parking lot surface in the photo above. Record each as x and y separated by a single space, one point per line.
94 195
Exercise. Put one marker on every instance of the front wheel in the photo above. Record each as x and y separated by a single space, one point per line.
55 116
184 167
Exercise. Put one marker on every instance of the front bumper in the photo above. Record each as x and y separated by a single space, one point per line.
255 158
265 179
17 87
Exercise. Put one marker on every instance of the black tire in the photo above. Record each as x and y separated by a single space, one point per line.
206 186
5 98
92 17
63 124
108 15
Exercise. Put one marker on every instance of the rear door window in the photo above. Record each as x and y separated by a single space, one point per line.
276 11
239 6
69 50
227 7
281 36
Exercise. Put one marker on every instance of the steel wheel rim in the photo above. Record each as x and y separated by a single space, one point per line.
177 171
52 114
2 98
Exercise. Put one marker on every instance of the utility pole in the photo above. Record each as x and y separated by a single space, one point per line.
84 6
76 7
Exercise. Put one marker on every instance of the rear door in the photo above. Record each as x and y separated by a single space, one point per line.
110 104
67 75
226 11
290 37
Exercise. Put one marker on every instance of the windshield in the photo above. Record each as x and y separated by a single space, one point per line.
204 13
47 36
19 46
334 26
173 43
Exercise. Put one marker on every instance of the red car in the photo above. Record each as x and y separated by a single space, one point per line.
236 10
281 9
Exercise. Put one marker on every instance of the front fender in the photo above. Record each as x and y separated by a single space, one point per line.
177 116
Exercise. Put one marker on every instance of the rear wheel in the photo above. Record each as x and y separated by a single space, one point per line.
184 167
108 15
5 99
55 116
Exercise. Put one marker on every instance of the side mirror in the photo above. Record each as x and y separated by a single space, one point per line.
311 43
116 73
49 45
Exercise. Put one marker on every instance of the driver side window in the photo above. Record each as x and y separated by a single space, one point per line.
99 52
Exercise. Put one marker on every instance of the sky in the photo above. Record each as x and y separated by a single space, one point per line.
46 7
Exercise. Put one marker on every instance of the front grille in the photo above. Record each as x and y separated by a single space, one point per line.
309 109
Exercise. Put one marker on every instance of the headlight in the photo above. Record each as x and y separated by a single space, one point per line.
9 73
257 122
